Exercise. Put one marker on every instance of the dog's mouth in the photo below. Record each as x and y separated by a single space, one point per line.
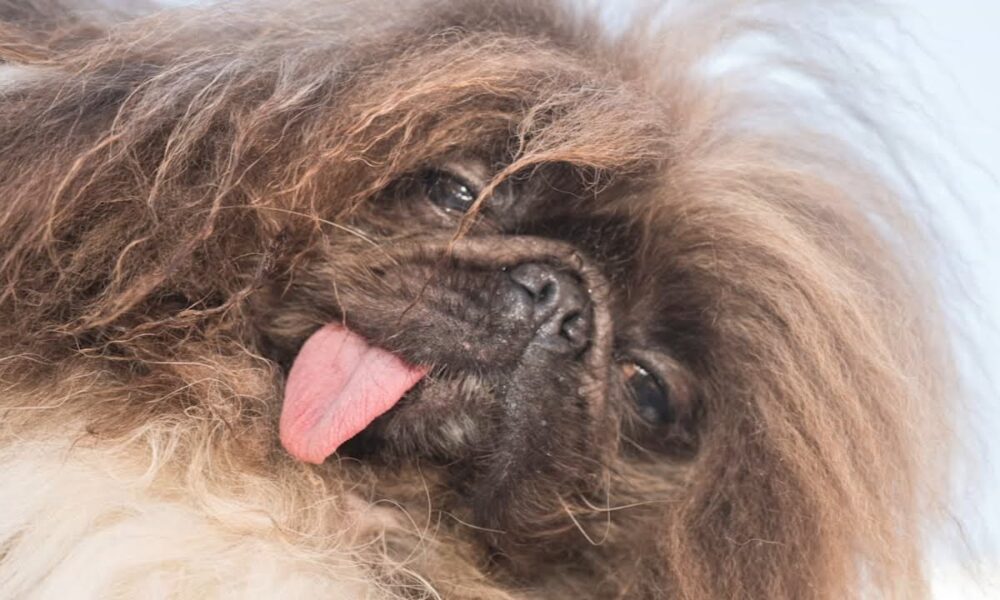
338 385
440 366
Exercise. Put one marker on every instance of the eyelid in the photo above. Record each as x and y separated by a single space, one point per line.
472 172
657 377
644 359
636 363
672 376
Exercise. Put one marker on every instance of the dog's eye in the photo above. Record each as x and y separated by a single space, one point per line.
652 399
449 192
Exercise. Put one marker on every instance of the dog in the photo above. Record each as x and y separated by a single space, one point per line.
451 299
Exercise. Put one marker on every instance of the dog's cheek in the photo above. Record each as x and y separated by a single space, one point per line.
541 454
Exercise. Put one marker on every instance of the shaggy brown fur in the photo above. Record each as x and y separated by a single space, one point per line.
183 197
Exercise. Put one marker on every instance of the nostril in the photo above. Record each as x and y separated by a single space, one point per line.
575 329
540 281
543 295
558 305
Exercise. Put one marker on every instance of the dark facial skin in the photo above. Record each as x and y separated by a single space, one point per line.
539 369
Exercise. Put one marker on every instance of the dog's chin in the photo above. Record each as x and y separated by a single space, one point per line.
443 420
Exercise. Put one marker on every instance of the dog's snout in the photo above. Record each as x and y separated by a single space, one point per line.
559 305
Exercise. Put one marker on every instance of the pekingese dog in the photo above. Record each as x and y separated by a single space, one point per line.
450 299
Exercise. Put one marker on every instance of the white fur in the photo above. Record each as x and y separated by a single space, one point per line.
90 523
12 76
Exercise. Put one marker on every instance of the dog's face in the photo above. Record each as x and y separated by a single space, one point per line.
537 342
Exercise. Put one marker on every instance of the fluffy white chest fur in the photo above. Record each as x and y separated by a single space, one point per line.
87 522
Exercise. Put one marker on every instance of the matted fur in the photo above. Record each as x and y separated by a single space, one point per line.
159 176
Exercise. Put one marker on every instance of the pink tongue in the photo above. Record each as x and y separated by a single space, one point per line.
337 386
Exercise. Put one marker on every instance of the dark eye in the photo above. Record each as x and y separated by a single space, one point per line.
652 399
449 192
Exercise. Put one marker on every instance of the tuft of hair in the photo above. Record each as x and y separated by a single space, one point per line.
153 171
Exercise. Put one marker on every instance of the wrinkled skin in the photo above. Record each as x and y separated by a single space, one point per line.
518 323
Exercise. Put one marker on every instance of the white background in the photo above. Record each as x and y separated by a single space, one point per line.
959 71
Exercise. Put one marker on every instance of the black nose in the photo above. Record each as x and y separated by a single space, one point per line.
559 306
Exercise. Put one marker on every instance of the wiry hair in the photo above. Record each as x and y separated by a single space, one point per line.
158 175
